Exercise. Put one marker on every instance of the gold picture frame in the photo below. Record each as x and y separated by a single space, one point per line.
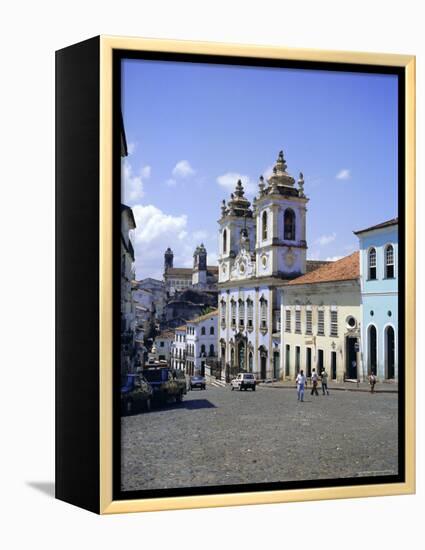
106 47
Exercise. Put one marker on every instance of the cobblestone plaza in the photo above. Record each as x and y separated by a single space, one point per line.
220 437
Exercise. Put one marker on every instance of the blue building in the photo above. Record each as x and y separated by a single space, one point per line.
379 289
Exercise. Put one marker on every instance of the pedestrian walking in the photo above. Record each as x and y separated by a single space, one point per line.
324 376
314 380
372 382
301 381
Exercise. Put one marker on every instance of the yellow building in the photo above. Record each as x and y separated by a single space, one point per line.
321 316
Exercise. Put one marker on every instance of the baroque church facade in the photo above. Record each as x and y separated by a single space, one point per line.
262 247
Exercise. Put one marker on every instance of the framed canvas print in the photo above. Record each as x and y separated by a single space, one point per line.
235 274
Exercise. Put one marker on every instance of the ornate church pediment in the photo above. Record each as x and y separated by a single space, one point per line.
243 266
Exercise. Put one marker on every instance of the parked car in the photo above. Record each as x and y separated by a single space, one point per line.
243 381
168 384
197 382
136 394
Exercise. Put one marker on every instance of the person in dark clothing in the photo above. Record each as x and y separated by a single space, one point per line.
324 376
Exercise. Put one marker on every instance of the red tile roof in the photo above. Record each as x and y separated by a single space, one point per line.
345 269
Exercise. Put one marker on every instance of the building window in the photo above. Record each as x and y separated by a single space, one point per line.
203 331
298 321
211 350
250 313
288 321
321 323
309 322
203 349
289 225
233 311
211 330
334 323
389 262
224 242
372 264
263 313
241 307
223 313
264 228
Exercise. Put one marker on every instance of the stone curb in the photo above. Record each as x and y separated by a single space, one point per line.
335 388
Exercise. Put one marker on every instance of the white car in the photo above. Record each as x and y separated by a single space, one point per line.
243 381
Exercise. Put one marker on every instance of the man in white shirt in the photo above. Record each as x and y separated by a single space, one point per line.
314 380
300 380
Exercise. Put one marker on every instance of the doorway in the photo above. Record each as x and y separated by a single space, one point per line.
241 356
276 365
297 358
308 362
373 355
333 365
390 352
263 367
351 361
287 360
320 362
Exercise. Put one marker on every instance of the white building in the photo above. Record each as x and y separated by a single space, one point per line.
261 248
178 348
163 345
321 319
201 342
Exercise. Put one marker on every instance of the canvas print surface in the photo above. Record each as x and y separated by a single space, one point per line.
259 276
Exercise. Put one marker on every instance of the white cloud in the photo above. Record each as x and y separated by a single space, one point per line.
171 182
268 172
200 235
146 171
230 179
183 169
131 147
333 258
343 174
326 239
156 231
152 223
132 184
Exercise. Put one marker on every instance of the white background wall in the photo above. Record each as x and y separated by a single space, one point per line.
30 32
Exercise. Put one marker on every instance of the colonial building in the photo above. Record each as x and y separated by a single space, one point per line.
379 288
201 276
201 342
261 248
178 348
156 290
128 317
163 345
321 319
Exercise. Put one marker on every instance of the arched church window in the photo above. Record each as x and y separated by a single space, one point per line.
289 225
224 242
264 228
203 331
389 261
372 264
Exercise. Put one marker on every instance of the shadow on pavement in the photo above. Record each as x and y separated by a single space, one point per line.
193 404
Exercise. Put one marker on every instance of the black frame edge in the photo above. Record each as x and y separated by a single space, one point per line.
77 463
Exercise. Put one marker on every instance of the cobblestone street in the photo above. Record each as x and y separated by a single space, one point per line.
222 437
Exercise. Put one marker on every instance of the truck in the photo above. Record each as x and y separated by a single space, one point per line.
167 384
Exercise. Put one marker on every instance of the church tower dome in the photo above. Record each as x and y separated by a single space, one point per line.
280 212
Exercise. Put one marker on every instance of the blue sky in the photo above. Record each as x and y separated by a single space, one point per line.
193 129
